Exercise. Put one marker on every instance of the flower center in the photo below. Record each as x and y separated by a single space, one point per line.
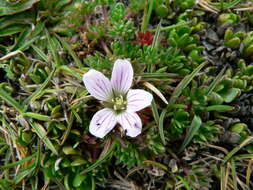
119 104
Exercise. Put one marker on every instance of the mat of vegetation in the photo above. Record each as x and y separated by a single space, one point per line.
194 57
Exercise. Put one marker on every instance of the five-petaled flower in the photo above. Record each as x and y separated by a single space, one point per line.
120 101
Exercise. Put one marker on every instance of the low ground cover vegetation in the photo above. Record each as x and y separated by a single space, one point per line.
71 116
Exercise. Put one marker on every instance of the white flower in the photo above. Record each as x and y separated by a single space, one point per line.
120 101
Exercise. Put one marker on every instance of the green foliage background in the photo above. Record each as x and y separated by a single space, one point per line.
194 56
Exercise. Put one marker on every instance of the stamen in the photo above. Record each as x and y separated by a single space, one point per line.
119 103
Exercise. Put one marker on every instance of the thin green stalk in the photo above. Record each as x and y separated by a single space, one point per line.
172 26
7 98
147 13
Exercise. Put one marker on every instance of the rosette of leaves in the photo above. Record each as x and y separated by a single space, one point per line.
68 168
179 121
228 18
183 5
227 91
119 26
232 39
248 45
185 44
162 8
129 155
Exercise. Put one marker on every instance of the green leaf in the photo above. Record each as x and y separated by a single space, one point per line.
37 93
79 178
13 29
102 158
6 166
71 52
9 8
20 19
215 81
237 148
41 132
24 173
8 99
230 94
37 116
52 49
147 13
184 182
219 108
194 127
155 112
161 132
40 53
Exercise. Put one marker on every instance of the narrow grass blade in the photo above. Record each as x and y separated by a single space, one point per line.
156 37
186 184
72 72
40 53
231 4
159 165
71 52
161 132
237 148
37 116
183 84
34 95
158 75
23 174
215 81
41 132
65 135
101 159
52 49
194 127
173 26
8 99
155 112
28 158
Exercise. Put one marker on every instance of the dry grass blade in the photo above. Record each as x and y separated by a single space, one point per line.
234 175
156 91
159 165
216 147
237 148
206 6
249 171
11 54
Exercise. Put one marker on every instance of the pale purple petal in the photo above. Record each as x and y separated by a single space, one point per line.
98 85
138 99
130 122
102 122
122 76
